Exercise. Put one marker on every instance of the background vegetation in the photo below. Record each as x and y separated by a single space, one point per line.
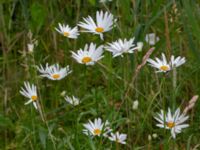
102 87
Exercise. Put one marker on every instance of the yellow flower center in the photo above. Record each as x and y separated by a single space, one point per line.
34 98
66 34
86 60
99 29
97 131
55 76
170 124
164 68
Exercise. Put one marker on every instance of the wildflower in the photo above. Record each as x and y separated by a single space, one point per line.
97 128
172 122
30 47
135 105
54 72
154 135
63 93
149 137
32 42
30 92
72 100
90 55
67 31
123 46
151 38
104 23
117 137
163 65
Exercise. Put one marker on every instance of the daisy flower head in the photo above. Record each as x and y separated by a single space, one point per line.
53 72
119 47
104 22
173 122
151 38
89 55
119 138
96 128
72 100
30 91
67 31
163 66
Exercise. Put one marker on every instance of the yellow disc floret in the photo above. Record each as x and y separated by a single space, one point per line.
66 34
164 68
86 59
97 131
34 98
99 29
56 76
170 124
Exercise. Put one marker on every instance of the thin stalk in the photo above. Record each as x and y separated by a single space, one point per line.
41 108
174 82
149 107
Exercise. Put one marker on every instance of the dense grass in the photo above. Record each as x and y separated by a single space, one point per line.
102 88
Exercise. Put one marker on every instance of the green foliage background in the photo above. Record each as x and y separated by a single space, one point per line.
101 87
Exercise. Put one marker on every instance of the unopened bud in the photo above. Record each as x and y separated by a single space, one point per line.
135 105
30 47
154 135
149 137
63 93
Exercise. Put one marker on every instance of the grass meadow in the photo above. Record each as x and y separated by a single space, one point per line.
107 89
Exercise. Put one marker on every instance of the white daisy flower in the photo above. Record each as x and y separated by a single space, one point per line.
151 38
119 138
54 72
72 100
97 128
30 92
67 31
104 23
89 55
172 122
123 46
163 66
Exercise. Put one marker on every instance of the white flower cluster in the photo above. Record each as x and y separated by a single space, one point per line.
99 128
89 55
